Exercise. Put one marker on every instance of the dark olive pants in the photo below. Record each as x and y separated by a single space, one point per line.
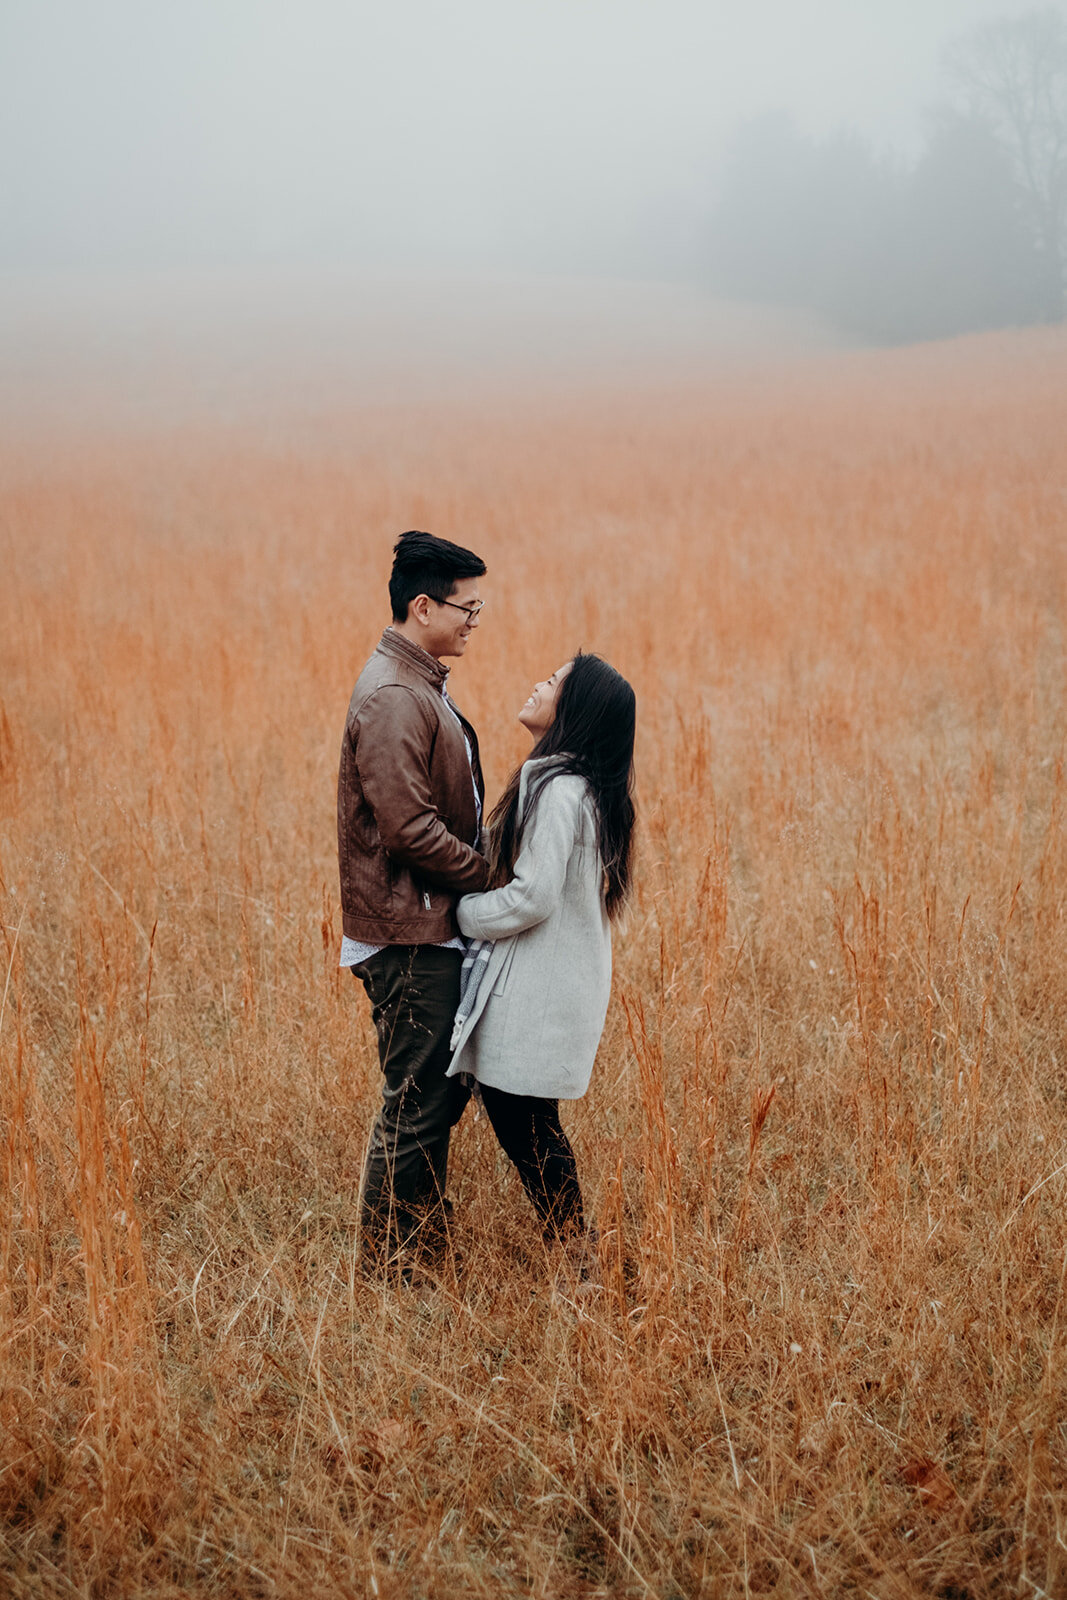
413 991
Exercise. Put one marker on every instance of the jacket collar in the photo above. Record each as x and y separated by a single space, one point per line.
404 649
530 766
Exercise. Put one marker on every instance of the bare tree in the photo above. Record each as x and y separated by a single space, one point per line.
1013 72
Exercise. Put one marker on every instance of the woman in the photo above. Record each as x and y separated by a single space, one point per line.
560 863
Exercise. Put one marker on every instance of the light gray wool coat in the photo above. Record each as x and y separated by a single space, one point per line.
541 1004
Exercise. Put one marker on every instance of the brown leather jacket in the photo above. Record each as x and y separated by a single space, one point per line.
407 827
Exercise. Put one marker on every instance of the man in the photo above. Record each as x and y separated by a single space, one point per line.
409 803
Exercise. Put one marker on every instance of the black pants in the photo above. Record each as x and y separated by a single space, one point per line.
413 991
529 1132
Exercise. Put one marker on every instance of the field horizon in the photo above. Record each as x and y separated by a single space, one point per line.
143 353
826 1140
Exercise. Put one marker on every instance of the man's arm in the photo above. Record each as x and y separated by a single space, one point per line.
394 734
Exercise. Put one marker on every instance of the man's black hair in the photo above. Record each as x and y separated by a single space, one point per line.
424 564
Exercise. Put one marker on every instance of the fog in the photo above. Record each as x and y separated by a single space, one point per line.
164 148
477 135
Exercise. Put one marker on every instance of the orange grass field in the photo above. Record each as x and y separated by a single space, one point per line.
826 1140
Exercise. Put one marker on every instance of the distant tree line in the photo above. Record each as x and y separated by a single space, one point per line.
971 235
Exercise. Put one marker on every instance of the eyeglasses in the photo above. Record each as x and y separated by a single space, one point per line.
470 611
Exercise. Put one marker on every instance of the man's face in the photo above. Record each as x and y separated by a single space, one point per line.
448 626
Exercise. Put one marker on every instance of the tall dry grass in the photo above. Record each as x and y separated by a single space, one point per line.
826 1142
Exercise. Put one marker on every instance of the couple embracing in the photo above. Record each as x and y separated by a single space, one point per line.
483 944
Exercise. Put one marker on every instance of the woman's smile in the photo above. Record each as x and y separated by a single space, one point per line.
539 710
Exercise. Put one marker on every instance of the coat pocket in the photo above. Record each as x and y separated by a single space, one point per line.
505 967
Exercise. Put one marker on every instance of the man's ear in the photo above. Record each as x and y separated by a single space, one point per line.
420 606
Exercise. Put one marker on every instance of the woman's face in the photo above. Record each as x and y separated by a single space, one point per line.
537 714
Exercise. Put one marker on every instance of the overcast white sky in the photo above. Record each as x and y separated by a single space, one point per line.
431 135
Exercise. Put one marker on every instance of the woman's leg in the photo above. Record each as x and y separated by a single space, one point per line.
528 1129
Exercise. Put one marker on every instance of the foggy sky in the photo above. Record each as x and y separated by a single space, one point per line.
425 136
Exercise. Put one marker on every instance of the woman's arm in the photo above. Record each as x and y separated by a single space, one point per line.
548 842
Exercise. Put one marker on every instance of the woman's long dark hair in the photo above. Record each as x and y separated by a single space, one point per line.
591 734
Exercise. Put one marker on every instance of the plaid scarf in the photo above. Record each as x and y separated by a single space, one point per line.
471 974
